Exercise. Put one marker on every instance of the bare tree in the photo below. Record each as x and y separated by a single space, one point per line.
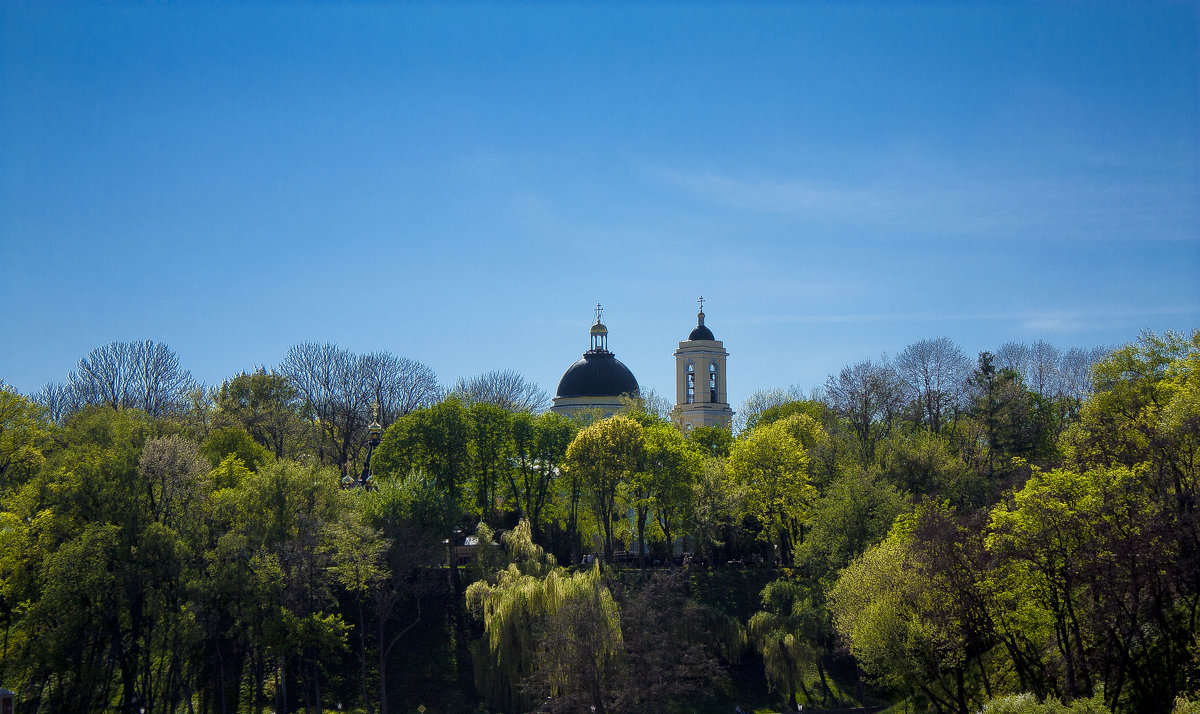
507 389
935 371
142 375
397 384
339 389
159 384
58 399
1043 376
869 396
1076 370
762 400
1014 356
103 375
318 372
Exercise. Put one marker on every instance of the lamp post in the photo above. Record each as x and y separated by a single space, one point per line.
374 430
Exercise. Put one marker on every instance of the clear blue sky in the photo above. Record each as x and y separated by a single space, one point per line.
460 183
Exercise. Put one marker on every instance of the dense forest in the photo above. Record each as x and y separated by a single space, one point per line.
1012 533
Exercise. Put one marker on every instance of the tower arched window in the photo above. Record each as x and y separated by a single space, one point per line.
691 383
712 382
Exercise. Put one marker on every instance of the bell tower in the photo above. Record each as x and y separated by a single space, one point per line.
700 394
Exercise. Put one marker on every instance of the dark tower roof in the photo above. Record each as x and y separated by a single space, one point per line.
700 332
597 374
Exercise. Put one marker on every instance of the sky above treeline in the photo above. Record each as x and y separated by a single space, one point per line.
461 183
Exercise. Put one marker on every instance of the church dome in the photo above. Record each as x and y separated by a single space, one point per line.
700 332
597 374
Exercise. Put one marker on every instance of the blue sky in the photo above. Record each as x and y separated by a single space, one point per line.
460 183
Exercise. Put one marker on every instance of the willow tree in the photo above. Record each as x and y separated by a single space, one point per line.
784 634
514 611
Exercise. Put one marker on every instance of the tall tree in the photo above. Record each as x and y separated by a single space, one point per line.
605 456
492 441
869 397
935 371
539 447
772 465
267 406
142 375
671 469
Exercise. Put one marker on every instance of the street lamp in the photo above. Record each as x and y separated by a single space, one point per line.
374 430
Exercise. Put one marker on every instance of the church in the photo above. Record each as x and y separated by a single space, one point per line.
598 380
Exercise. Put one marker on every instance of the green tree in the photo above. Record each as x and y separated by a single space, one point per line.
923 463
671 470
24 435
771 464
434 441
289 518
540 447
605 457
854 513
711 441
267 406
784 633
890 609
492 442
236 441
511 603
717 501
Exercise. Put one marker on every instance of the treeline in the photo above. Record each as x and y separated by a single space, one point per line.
959 531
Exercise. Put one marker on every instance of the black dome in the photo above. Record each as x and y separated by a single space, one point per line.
701 333
598 374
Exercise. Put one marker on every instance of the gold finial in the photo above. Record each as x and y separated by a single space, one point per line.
701 301
599 313
375 411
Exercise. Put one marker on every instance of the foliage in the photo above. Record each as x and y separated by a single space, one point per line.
234 441
1028 704
1026 527
604 456
784 632
898 619
771 464
24 434
854 513
266 405
711 441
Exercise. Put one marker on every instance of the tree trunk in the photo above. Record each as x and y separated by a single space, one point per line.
362 656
